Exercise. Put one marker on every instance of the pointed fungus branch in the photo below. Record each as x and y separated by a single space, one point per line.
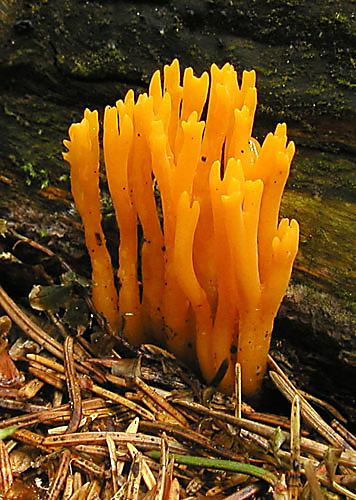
215 259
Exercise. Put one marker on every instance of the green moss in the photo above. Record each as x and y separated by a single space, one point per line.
312 172
35 175
44 233
240 43
33 131
93 64
325 259
299 82
107 206
346 83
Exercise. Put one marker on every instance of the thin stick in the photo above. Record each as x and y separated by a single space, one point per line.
134 479
294 475
75 397
89 466
313 482
6 478
132 428
163 456
38 246
147 474
344 491
165 405
348 457
113 463
310 416
295 434
99 437
345 433
194 437
35 332
116 398
238 391
28 326
61 476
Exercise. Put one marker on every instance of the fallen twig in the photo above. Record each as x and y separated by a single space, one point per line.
309 414
61 476
6 477
73 386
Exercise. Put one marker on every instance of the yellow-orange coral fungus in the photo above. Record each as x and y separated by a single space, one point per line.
83 156
208 274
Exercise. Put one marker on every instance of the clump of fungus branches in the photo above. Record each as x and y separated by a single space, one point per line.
215 260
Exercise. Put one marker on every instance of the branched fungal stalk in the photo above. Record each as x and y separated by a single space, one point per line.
215 268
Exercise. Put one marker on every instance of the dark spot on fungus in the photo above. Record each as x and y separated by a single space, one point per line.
163 248
98 239
233 349
220 374
203 158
